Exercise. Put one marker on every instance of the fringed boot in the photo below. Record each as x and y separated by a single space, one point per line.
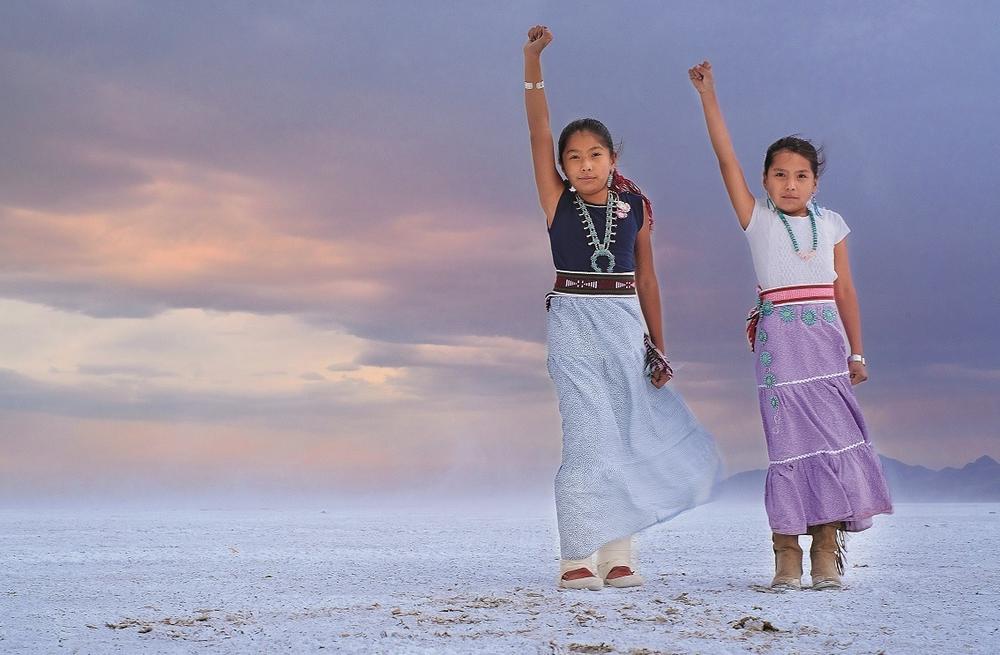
787 561
827 555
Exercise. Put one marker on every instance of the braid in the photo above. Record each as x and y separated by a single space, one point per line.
620 184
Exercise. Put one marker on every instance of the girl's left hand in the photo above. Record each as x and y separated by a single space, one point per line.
859 372
660 378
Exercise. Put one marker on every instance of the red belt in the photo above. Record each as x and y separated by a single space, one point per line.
771 298
582 283
622 284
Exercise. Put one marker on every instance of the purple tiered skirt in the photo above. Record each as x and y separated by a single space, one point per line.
823 468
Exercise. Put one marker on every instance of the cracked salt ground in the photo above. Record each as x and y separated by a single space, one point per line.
297 581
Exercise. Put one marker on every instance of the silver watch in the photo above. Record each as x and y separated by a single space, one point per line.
857 358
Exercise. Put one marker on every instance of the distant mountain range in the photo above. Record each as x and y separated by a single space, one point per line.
977 481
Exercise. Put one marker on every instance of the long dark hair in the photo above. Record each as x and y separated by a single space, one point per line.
798 145
619 183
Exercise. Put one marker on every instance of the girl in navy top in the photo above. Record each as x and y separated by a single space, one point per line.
633 454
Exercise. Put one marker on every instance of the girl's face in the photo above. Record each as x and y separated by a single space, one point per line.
587 163
790 182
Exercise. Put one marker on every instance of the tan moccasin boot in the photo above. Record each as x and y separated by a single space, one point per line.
826 555
787 561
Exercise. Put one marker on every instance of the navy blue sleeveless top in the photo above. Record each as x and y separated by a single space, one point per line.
568 238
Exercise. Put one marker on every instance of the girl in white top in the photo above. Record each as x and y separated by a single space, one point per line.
823 477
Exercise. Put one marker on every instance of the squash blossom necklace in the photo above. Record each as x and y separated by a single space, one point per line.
805 256
615 208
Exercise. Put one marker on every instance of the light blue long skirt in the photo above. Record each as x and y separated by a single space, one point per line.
632 455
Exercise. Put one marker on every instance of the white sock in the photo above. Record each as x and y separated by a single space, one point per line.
615 553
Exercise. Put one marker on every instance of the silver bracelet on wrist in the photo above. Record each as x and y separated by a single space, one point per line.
540 84
857 358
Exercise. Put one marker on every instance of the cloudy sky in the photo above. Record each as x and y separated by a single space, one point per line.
283 248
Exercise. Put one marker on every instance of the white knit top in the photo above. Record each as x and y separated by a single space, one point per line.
774 259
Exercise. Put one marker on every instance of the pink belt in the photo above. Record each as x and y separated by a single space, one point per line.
771 298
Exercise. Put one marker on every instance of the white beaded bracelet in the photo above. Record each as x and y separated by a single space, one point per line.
537 85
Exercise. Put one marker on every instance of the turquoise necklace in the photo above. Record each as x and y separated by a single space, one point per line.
805 256
602 247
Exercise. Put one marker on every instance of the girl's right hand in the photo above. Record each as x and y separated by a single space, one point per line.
539 36
701 77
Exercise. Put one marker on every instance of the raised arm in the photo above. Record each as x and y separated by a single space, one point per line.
547 179
732 174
